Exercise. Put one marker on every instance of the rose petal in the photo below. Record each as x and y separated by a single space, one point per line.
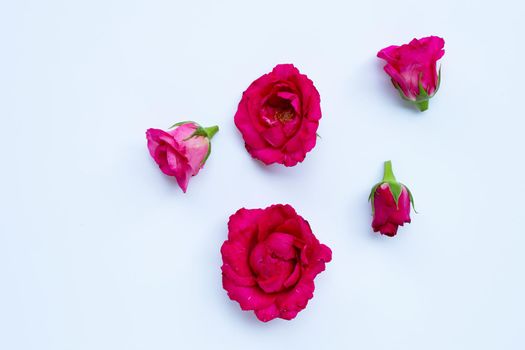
272 217
274 136
293 277
235 257
249 298
268 313
281 245
297 298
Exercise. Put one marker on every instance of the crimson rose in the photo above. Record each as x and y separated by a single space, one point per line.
412 68
270 260
278 116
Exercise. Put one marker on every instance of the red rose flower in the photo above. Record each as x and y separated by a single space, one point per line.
278 116
390 203
182 151
270 260
412 68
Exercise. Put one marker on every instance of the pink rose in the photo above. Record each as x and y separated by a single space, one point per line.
270 261
412 68
278 116
182 151
390 203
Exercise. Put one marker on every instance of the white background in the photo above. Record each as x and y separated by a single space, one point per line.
100 250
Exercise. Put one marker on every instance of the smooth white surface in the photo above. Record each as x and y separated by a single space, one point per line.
100 250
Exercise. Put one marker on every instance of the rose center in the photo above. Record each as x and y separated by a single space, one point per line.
278 110
284 115
275 263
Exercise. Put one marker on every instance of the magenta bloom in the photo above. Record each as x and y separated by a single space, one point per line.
390 204
278 116
270 261
412 68
182 151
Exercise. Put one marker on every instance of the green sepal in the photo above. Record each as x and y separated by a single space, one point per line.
205 132
439 82
423 95
422 99
198 132
207 154
211 131
411 199
396 188
401 93
421 103
372 195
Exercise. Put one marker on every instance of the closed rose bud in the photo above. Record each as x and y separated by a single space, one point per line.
412 68
182 151
391 202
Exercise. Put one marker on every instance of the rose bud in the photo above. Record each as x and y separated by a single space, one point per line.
270 261
390 203
182 151
278 116
412 68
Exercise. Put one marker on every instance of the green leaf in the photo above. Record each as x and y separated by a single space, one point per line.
396 188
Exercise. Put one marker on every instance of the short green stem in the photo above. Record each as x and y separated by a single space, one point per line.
422 105
212 130
388 175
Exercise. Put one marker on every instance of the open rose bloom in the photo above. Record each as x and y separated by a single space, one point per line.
412 68
270 261
391 202
278 116
182 151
